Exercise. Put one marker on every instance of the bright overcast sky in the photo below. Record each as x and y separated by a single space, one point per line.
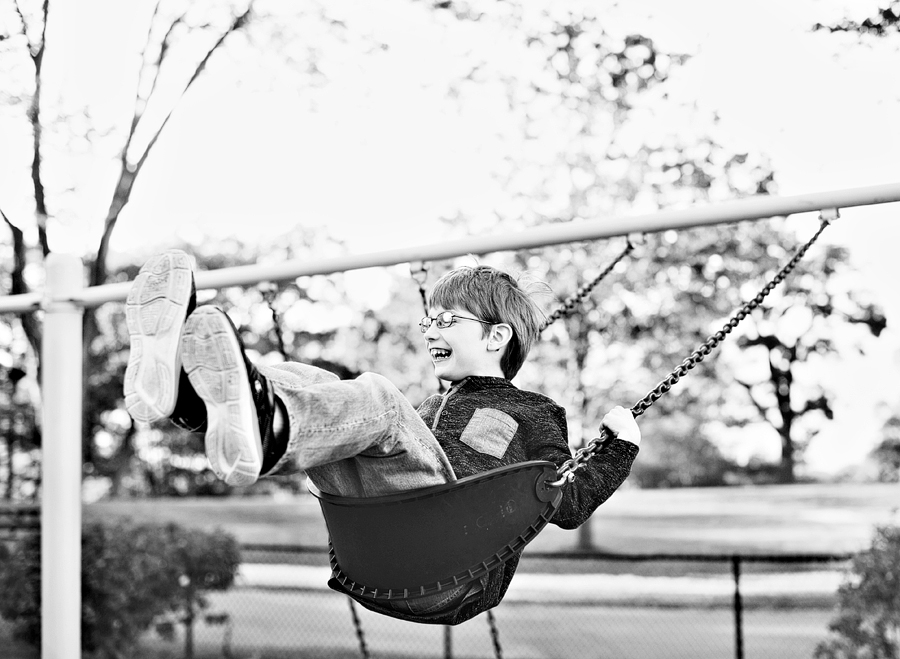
384 156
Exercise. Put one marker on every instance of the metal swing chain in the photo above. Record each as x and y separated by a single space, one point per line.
357 625
567 308
567 471
269 292
420 276
495 635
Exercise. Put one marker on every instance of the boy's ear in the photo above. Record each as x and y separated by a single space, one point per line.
499 336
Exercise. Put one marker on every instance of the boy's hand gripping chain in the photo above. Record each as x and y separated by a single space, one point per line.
566 472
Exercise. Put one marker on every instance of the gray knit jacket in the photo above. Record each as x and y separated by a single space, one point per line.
486 422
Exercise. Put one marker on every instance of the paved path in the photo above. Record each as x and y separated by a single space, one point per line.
817 586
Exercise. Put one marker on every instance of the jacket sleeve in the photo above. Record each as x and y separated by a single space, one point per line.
595 482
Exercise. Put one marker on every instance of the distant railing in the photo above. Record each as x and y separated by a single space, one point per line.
18 520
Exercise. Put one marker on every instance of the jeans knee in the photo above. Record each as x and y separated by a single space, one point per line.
379 383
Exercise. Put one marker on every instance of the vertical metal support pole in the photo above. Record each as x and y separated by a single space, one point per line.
738 608
61 359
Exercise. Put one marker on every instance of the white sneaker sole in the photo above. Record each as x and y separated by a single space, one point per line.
214 364
155 312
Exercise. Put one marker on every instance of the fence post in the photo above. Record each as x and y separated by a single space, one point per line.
61 388
448 642
738 608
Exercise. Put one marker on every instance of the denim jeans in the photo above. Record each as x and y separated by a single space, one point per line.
360 438
356 438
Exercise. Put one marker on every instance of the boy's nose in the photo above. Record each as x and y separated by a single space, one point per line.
432 331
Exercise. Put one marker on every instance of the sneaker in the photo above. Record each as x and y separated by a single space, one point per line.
239 402
161 298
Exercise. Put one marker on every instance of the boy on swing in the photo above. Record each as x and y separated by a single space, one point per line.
361 437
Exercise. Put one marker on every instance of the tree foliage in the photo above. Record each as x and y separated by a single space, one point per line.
811 318
584 141
886 454
884 21
19 430
589 103
867 622
134 577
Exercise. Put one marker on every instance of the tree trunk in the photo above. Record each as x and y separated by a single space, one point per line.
782 381
122 461
34 118
786 473
10 472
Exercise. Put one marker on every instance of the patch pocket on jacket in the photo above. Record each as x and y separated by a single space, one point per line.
489 431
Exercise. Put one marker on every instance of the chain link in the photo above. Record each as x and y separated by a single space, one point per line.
495 635
360 636
567 470
420 276
567 308
269 292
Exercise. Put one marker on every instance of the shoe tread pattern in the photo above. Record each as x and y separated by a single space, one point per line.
155 310
214 363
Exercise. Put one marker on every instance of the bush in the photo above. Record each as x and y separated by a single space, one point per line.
134 577
867 623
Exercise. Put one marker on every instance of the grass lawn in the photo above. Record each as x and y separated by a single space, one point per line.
817 518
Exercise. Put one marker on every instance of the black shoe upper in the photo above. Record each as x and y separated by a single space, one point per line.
189 412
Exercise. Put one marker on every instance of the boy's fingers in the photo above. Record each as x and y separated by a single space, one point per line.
621 422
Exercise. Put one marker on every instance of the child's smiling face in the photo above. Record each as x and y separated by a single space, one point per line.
462 349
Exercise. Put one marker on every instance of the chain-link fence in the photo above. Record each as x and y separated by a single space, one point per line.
591 605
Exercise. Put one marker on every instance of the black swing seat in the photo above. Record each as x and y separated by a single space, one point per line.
420 542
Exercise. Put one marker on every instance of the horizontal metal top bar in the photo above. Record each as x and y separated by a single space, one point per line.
752 208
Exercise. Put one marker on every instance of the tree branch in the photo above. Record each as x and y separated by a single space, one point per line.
18 285
821 403
24 25
129 174
238 23
36 51
759 406
140 101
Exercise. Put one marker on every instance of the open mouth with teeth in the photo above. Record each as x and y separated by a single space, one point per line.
440 354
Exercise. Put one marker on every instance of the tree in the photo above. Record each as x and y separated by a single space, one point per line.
183 43
806 322
590 102
180 43
582 102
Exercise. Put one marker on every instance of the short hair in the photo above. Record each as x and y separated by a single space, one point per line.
495 297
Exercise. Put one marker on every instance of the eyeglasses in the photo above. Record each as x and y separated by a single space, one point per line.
444 320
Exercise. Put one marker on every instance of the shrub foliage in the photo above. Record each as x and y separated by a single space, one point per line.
867 622
134 577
